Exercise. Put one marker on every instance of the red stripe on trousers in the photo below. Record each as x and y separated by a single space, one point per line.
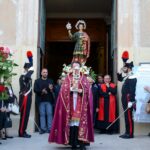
24 112
129 116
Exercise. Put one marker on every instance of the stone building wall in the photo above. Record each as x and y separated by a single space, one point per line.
19 31
133 35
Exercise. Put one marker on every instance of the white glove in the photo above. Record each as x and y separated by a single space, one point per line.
130 104
68 26
31 69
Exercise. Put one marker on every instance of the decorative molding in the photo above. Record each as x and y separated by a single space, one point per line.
78 15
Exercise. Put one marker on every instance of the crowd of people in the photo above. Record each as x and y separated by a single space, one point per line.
49 96
70 110
46 96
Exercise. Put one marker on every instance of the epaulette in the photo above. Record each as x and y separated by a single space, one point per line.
132 77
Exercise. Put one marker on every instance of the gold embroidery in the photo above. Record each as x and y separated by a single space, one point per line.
55 132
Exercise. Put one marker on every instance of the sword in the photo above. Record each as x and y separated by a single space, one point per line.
36 125
119 116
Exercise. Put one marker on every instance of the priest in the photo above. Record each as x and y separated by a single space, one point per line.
72 123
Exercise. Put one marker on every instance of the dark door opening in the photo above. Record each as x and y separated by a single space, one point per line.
59 49
59 53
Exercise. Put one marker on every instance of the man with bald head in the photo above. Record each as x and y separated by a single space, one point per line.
43 87
107 105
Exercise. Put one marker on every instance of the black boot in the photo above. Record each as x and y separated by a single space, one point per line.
74 147
82 146
25 135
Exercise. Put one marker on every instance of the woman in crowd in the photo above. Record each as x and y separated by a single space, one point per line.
5 114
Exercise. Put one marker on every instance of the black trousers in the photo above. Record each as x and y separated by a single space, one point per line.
129 123
2 117
73 141
25 106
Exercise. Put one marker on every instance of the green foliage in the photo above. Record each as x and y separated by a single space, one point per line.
6 71
4 95
93 74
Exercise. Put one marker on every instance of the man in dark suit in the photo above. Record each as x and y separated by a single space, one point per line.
43 87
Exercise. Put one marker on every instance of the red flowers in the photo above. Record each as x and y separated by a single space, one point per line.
4 52
2 88
6 70
1 48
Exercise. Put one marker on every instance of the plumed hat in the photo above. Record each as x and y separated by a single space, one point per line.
126 61
125 56
30 58
27 65
129 64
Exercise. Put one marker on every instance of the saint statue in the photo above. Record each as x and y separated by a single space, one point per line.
82 45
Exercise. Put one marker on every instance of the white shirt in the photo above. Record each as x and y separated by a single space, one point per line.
75 98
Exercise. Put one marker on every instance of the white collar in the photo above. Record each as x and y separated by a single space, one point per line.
128 75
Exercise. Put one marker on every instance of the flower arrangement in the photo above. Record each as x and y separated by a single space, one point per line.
84 69
66 69
6 68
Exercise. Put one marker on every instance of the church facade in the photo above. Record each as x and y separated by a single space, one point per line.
34 25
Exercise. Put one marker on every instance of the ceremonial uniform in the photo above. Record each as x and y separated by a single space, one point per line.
128 95
25 100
